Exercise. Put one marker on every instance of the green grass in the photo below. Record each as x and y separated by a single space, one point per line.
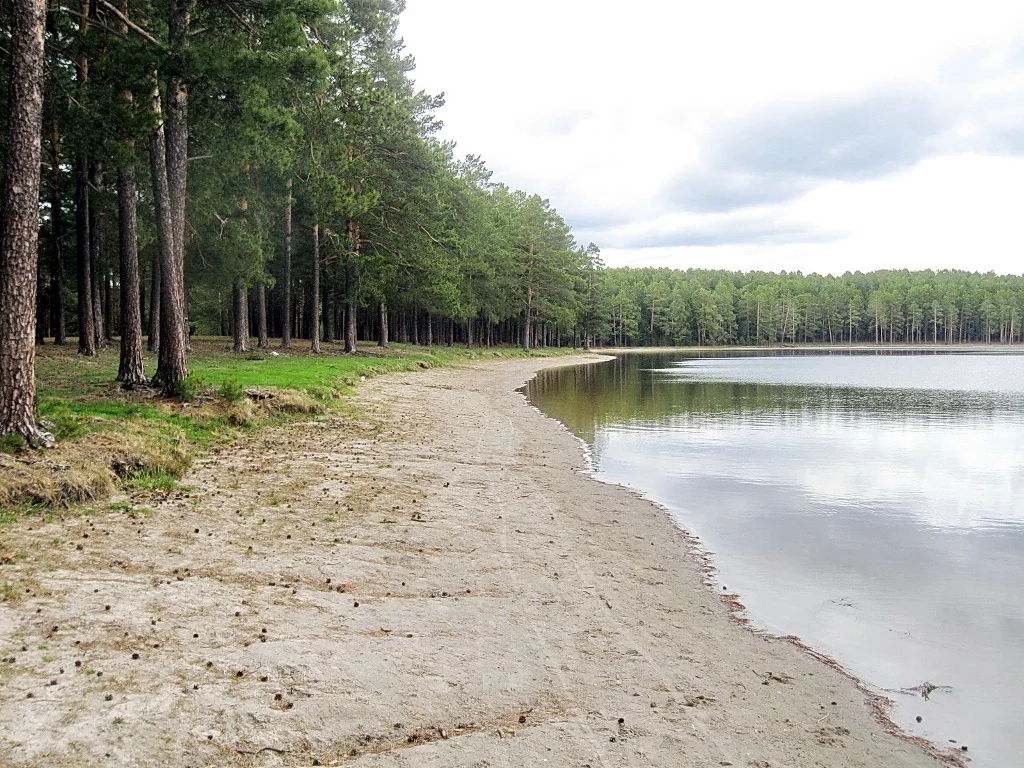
148 442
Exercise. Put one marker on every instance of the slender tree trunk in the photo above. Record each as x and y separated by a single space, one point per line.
261 316
351 289
19 224
153 342
315 303
172 367
86 335
110 307
130 370
328 304
286 332
241 324
57 232
95 254
382 340
526 319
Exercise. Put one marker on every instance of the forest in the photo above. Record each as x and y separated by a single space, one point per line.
267 169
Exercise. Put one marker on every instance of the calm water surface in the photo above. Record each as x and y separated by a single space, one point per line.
871 504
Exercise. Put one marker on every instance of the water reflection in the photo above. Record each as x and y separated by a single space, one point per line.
872 505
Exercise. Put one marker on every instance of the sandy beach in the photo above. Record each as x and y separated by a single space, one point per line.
433 580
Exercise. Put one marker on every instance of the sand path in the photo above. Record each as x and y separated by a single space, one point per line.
432 583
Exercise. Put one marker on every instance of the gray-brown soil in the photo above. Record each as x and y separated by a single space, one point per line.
435 583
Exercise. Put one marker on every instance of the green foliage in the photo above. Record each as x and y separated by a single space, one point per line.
191 387
651 307
231 391
12 443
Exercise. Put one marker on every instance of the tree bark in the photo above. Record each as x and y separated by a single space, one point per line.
172 367
351 289
95 248
130 369
261 316
153 342
241 325
57 232
315 303
526 319
286 326
382 341
19 224
86 334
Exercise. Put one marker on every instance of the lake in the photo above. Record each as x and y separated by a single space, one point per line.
870 504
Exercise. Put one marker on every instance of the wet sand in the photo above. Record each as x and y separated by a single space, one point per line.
434 582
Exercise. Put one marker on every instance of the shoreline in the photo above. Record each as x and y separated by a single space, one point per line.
435 581
877 702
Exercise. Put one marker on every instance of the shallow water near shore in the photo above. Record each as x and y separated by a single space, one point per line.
870 504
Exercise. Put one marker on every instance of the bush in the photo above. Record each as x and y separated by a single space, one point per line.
190 388
231 391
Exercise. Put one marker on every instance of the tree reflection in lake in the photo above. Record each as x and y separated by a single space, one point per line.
871 504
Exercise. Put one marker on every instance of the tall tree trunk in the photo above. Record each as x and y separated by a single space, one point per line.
286 326
57 232
153 342
241 324
109 306
526 319
95 248
328 303
19 224
86 334
130 370
351 289
263 341
315 298
172 366
383 340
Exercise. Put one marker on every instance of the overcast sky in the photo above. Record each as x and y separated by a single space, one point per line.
818 136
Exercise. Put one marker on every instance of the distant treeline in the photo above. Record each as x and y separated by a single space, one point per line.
641 307
581 302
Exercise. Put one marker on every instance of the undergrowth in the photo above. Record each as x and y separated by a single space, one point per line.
110 439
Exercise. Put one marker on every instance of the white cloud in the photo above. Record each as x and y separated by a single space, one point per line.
604 107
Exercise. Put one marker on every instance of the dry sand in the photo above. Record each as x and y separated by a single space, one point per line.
436 582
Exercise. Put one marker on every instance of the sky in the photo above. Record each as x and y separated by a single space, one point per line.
815 136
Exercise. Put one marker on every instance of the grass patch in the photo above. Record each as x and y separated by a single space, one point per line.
109 439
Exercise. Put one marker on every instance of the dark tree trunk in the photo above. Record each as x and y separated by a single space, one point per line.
261 316
153 343
328 305
19 224
241 324
95 248
86 334
526 320
286 325
110 304
172 367
57 232
351 289
315 298
130 371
